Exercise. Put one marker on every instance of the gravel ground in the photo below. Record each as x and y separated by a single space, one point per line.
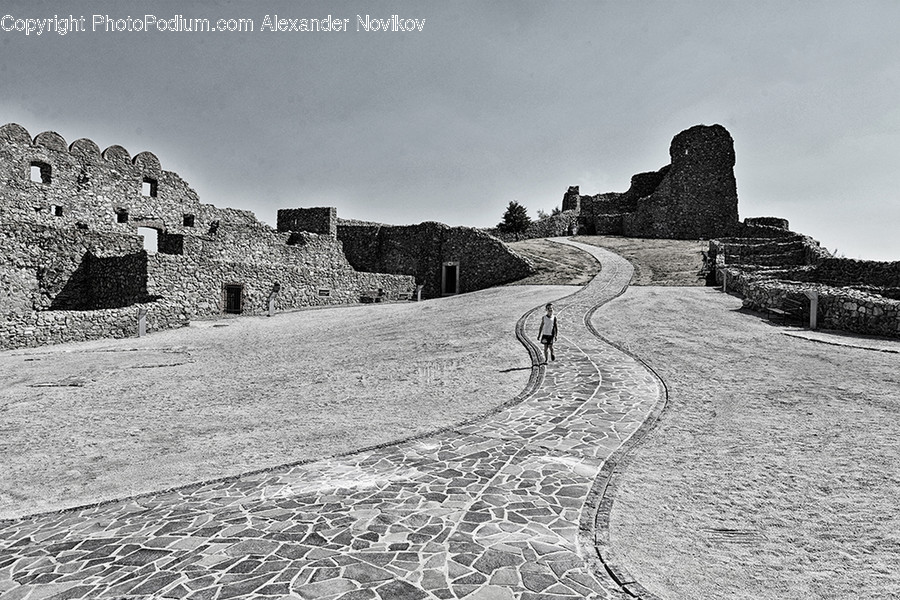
85 422
774 473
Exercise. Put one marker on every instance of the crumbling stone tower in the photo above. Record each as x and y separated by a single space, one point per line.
693 197
697 196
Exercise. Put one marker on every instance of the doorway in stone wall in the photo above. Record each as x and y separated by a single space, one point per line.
234 293
450 279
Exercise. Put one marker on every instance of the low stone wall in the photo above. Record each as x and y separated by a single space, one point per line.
767 246
776 222
744 230
849 272
779 251
838 308
38 328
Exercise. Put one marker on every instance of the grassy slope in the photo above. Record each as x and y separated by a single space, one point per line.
656 262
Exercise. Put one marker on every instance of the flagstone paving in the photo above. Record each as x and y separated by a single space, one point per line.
493 510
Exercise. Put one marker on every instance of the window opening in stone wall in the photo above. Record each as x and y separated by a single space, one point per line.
151 239
56 210
233 298
324 292
149 187
170 243
121 215
450 279
188 220
40 172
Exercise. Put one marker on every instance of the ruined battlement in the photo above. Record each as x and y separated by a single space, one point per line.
43 180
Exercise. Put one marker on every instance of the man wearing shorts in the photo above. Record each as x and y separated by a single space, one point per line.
547 332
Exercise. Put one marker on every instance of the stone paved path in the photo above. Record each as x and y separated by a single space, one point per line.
493 510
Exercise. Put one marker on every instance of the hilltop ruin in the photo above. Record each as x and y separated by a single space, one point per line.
772 268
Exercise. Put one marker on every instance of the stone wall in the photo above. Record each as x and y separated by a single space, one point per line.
37 328
422 250
778 251
314 220
856 296
776 222
103 191
72 258
839 308
850 272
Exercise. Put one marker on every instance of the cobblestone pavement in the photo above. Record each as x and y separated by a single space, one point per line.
492 510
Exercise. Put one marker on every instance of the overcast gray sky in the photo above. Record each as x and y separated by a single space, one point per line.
489 102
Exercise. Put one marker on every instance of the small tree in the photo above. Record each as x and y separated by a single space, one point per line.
515 219
555 211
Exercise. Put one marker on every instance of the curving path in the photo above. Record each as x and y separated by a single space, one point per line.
499 509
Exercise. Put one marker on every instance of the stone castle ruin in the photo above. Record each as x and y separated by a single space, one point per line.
73 222
73 265
693 197
772 268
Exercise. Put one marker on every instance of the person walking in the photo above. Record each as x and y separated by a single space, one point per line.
547 332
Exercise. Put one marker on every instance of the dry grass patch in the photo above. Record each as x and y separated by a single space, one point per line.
656 262
557 264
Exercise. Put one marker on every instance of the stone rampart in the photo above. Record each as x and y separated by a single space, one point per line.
105 191
478 259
